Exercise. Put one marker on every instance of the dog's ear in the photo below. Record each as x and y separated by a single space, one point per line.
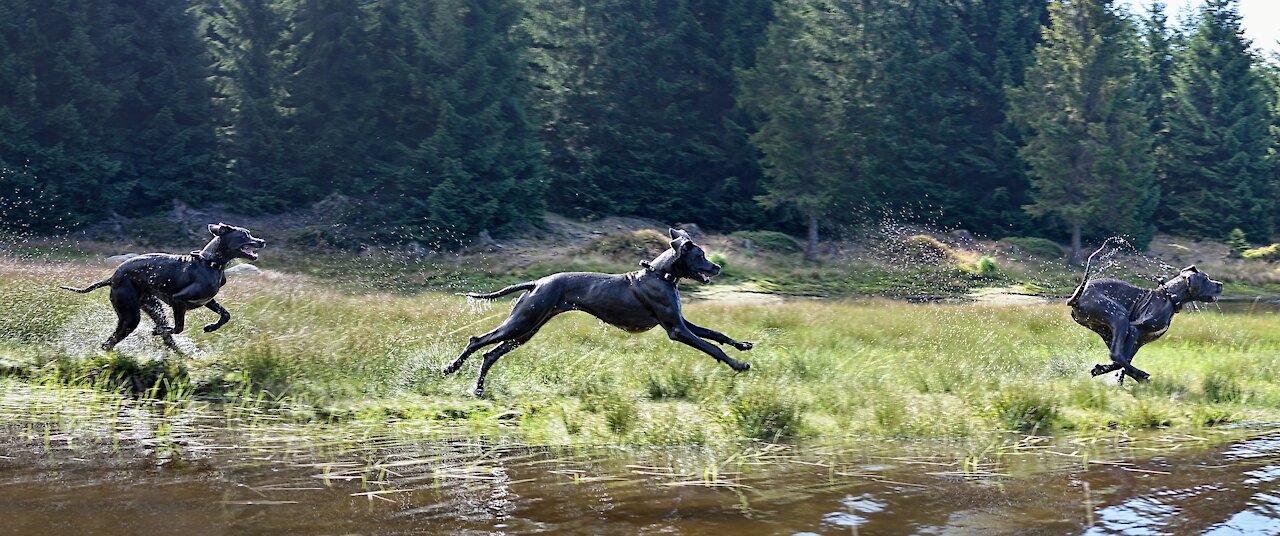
1191 269
219 229
681 245
677 234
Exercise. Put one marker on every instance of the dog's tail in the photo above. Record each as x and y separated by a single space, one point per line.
1088 266
503 292
90 288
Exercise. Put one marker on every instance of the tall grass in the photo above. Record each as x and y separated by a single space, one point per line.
822 371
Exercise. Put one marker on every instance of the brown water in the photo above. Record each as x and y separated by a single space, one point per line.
107 466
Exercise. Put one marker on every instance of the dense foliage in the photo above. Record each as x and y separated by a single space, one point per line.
440 119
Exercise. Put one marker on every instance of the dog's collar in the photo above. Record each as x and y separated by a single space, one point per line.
662 274
1174 298
219 266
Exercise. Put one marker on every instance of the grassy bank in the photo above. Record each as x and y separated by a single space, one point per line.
823 371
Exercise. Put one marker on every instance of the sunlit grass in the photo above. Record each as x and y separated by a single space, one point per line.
822 371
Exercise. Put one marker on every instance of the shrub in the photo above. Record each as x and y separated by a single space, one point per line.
643 243
1034 246
771 241
763 413
925 249
983 267
1265 253
719 258
1237 241
1025 410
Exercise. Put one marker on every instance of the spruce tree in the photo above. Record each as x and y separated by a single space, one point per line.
328 110
465 157
53 116
810 89
1088 145
244 39
161 129
1217 176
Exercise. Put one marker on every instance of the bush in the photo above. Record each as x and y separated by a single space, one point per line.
1237 241
763 413
1266 253
1025 409
1034 246
983 267
645 243
925 249
771 241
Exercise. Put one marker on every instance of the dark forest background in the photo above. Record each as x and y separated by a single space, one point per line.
445 118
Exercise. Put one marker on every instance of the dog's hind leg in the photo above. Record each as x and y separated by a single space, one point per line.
530 313
151 305
492 356
124 299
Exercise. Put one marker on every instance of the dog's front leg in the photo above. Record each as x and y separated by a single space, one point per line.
681 333
1124 337
714 335
223 316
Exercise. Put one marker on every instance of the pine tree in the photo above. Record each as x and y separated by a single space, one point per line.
328 111
810 87
1089 145
1217 174
638 97
161 129
53 116
244 38
466 158
946 147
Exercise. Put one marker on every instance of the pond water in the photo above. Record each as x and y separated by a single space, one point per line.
109 466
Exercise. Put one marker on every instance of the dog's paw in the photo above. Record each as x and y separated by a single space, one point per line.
448 369
740 366
478 392
743 346
1099 370
211 328
1142 377
162 330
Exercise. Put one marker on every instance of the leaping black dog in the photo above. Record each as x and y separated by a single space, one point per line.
635 301
184 282
1127 317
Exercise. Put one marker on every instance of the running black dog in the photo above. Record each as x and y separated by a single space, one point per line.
634 301
184 282
1127 316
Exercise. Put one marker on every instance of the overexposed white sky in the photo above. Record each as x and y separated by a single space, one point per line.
1261 18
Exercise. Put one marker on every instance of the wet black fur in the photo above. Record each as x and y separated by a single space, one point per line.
184 282
635 301
1128 316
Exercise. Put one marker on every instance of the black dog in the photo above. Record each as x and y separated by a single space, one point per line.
1127 317
183 281
635 301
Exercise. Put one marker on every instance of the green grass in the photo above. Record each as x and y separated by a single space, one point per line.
822 371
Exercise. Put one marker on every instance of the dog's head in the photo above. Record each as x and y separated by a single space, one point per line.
690 260
236 242
1198 285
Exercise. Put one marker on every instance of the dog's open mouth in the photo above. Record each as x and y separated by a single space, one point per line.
704 277
1212 299
249 251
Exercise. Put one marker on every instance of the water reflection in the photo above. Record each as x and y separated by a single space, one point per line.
120 469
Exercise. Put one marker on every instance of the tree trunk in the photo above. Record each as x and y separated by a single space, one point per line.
1075 244
811 247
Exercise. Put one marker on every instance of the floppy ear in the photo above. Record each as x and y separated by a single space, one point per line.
1191 269
218 229
680 245
679 233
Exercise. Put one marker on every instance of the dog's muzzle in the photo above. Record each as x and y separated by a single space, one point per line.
251 250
